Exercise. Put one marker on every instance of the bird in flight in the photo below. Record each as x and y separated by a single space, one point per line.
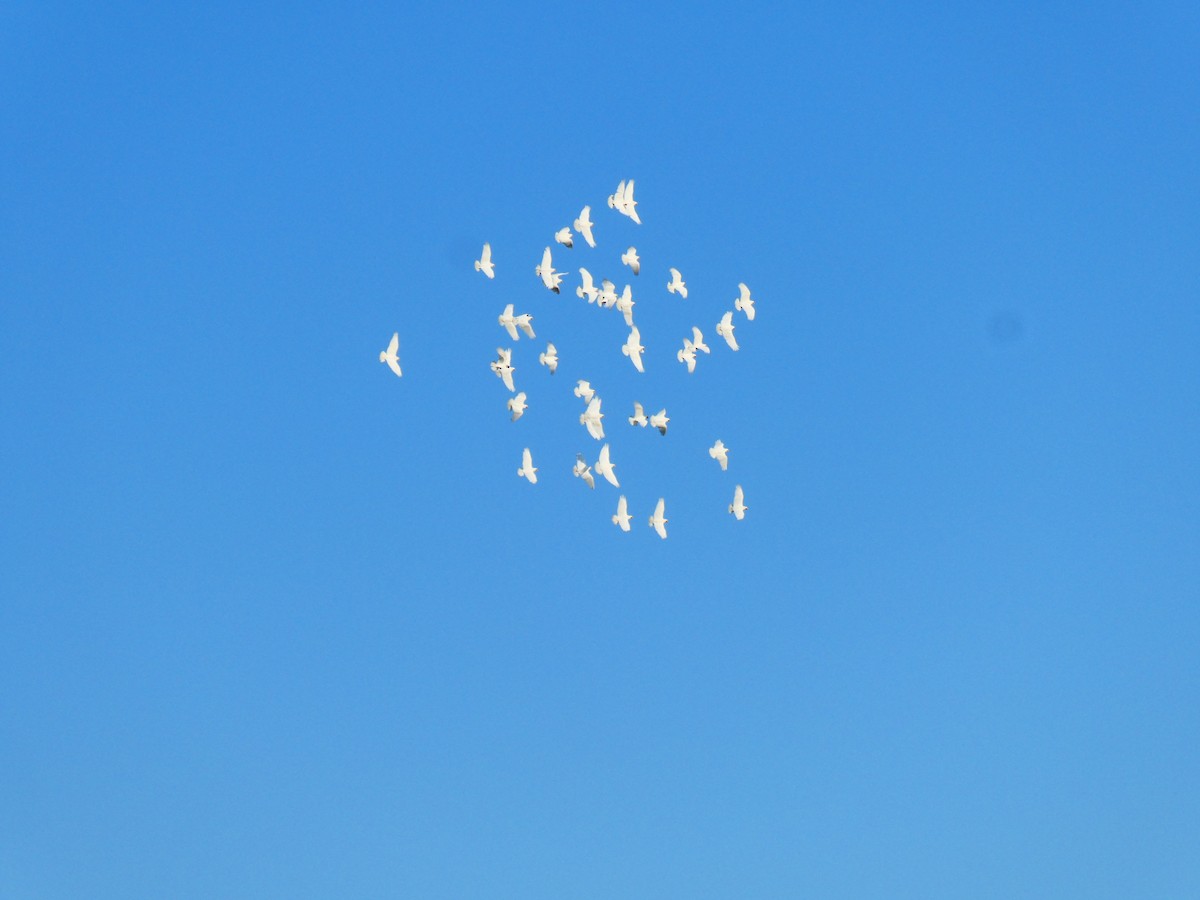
630 258
698 340
738 506
625 305
720 453
504 368
621 519
563 236
606 467
622 201
725 330
545 271
744 303
658 521
527 470
584 389
484 264
687 355
587 289
591 419
633 348
517 406
390 356
676 284
584 226
659 420
639 416
549 359
584 471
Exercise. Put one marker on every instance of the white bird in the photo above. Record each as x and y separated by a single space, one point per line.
687 355
527 470
737 507
587 289
584 225
525 323
507 321
633 348
698 340
676 284
744 303
584 389
625 305
390 356
720 453
504 368
584 471
622 201
658 521
725 330
591 418
630 258
563 236
517 406
621 519
659 420
639 415
606 467
545 271
608 294
617 198
549 359
484 264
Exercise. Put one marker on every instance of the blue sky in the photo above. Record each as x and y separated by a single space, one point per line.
277 624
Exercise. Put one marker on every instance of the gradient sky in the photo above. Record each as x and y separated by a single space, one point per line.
274 623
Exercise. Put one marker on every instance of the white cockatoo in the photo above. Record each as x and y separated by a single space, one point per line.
633 348
517 406
563 236
622 201
587 289
527 470
507 322
616 198
606 467
390 355
484 264
676 285
525 323
658 521
608 294
630 258
738 506
504 368
584 471
725 330
743 302
621 519
625 305
687 355
545 271
639 416
584 225
698 340
591 418
584 390
720 453
659 420
549 359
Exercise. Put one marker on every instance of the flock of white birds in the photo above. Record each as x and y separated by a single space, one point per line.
604 296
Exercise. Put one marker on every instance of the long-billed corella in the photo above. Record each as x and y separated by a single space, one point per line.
549 359
743 302
517 406
625 305
608 294
621 519
584 390
630 258
527 470
563 236
484 264
582 470
622 201
725 330
584 225
633 348
504 368
676 285
698 340
591 419
639 416
391 354
606 467
659 420
687 355
545 271
738 507
587 288
512 323
720 453
658 521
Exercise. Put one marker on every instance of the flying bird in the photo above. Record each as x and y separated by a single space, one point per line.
676 284
658 521
744 303
639 416
527 471
720 453
545 271
698 340
608 294
630 258
504 368
584 471
633 348
584 389
484 264
549 359
606 467
622 201
625 305
525 323
591 418
517 406
738 507
584 226
687 355
659 420
587 289
725 330
563 236
390 356
621 519
506 321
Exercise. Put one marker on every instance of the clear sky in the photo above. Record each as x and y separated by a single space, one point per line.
275 623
